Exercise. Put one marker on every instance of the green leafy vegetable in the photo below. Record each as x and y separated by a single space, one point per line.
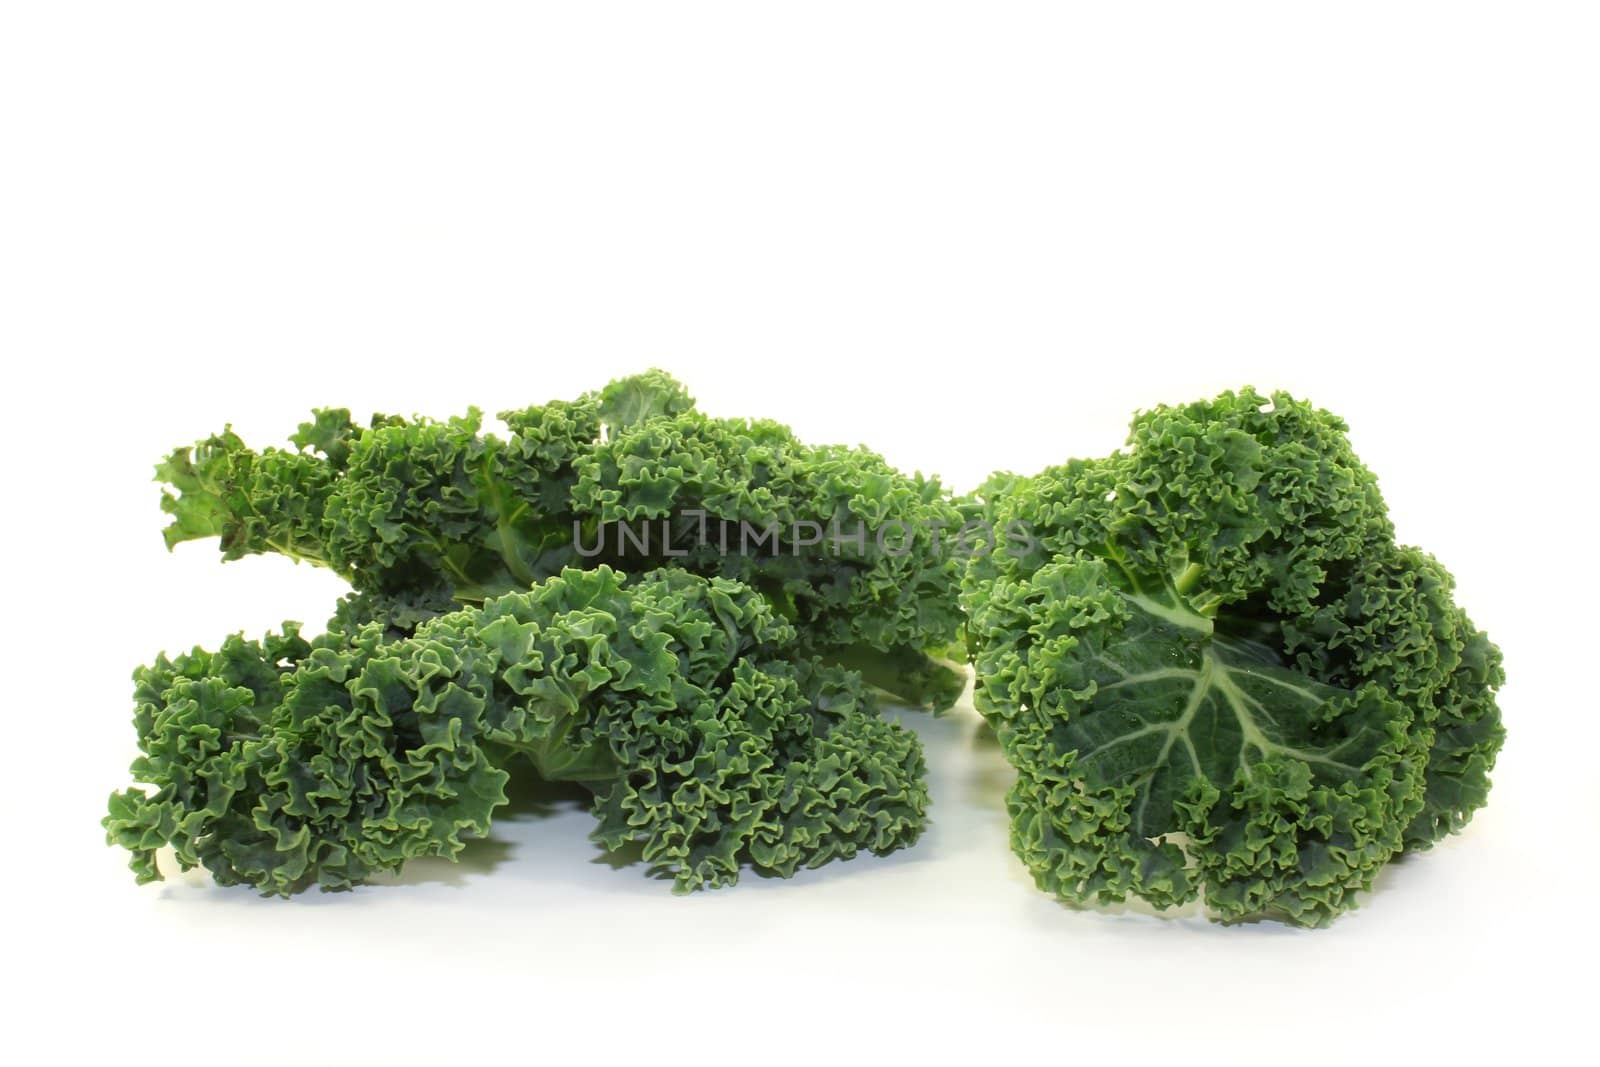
675 699
411 512
1215 671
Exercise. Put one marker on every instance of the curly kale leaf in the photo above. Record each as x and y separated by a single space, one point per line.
396 614
720 484
1216 673
631 477
674 699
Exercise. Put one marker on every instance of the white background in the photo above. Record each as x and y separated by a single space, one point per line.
973 236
